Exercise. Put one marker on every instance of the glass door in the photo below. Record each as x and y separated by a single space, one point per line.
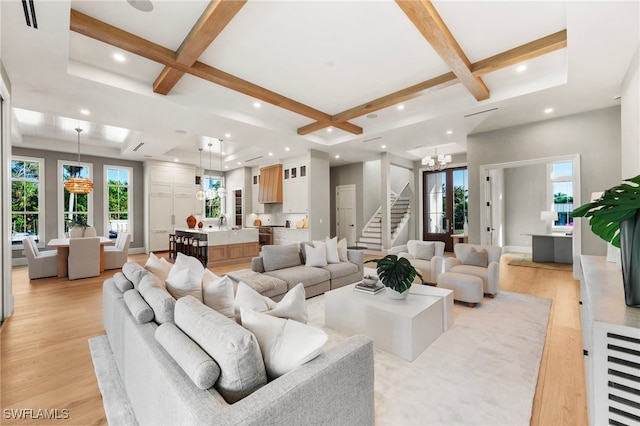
446 200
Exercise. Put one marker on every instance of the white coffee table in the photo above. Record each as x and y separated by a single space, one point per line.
403 327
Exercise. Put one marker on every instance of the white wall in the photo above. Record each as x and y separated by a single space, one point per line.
525 196
371 189
351 174
630 111
319 197
594 135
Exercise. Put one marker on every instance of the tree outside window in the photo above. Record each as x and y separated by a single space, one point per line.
25 199
119 200
562 190
212 206
76 206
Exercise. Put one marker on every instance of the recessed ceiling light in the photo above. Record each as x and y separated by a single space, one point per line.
175 160
372 116
383 146
548 110
400 107
337 156
223 153
449 132
521 68
226 167
287 148
271 153
227 135
329 129
256 104
239 163
141 5
119 57
181 132
85 111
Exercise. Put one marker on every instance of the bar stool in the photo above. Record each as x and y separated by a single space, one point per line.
172 246
186 245
178 245
200 249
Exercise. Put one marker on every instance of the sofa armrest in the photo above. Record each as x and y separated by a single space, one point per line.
335 388
257 265
357 257
437 267
397 250
450 262
493 277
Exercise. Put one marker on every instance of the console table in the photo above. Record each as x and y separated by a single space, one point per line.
552 248
611 342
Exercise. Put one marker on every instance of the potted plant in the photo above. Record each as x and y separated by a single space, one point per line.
77 225
396 274
615 217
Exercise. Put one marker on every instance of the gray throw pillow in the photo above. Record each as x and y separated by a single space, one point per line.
122 282
195 362
134 273
234 348
477 258
280 257
156 295
140 310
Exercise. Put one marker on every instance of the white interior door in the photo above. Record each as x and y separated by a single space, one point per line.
346 213
493 230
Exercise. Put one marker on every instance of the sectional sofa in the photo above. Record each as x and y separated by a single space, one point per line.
163 377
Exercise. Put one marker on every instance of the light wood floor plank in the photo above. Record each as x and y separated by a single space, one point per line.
46 361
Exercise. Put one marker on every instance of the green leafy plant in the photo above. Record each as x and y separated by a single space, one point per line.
396 272
79 220
616 205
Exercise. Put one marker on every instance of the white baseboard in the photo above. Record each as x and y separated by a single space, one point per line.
516 249
19 261
137 250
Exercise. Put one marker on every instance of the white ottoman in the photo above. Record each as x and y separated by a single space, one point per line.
466 288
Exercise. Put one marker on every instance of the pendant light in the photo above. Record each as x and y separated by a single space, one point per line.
210 193
200 194
79 185
222 192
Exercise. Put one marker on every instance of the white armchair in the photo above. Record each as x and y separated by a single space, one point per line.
42 264
426 256
84 257
115 256
471 260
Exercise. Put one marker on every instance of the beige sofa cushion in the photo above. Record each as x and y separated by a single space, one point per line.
280 257
421 249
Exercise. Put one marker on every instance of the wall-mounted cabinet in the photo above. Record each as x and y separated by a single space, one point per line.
296 189
270 184
256 206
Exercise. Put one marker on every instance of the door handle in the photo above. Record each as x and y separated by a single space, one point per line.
352 225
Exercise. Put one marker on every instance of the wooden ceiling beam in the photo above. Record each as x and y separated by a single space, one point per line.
210 24
427 20
525 52
98 30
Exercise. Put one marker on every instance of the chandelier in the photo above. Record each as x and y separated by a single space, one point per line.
210 193
437 162
222 192
79 185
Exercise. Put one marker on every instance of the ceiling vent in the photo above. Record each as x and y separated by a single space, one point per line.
252 159
372 139
138 147
480 112
30 13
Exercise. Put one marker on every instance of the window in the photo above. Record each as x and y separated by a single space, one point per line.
118 204
73 206
27 199
561 183
212 206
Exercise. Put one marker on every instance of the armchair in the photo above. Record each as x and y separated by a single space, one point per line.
470 260
42 264
426 256
84 257
115 256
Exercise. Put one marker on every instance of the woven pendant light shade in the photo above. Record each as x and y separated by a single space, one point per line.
79 185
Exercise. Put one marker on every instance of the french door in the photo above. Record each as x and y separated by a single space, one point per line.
446 200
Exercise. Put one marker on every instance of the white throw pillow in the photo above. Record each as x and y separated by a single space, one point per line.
159 266
421 249
342 250
217 293
185 278
332 250
285 344
316 254
292 306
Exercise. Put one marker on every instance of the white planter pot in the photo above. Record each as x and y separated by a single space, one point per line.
396 295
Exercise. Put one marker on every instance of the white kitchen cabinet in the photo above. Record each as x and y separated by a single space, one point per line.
295 187
171 188
611 342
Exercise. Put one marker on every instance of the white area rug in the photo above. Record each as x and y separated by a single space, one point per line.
482 371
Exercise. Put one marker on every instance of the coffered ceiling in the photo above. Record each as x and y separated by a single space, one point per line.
345 77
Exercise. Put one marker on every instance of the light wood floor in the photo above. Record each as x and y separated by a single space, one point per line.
46 362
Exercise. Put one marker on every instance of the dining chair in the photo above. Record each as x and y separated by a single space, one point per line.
115 256
41 264
84 257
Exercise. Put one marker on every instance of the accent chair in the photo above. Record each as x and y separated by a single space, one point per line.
426 256
42 264
115 256
84 257
482 261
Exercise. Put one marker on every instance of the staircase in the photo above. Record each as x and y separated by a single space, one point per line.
371 237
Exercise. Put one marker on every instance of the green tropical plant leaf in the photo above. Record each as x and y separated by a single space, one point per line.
616 205
396 272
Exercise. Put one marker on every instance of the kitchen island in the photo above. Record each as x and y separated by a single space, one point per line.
226 246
